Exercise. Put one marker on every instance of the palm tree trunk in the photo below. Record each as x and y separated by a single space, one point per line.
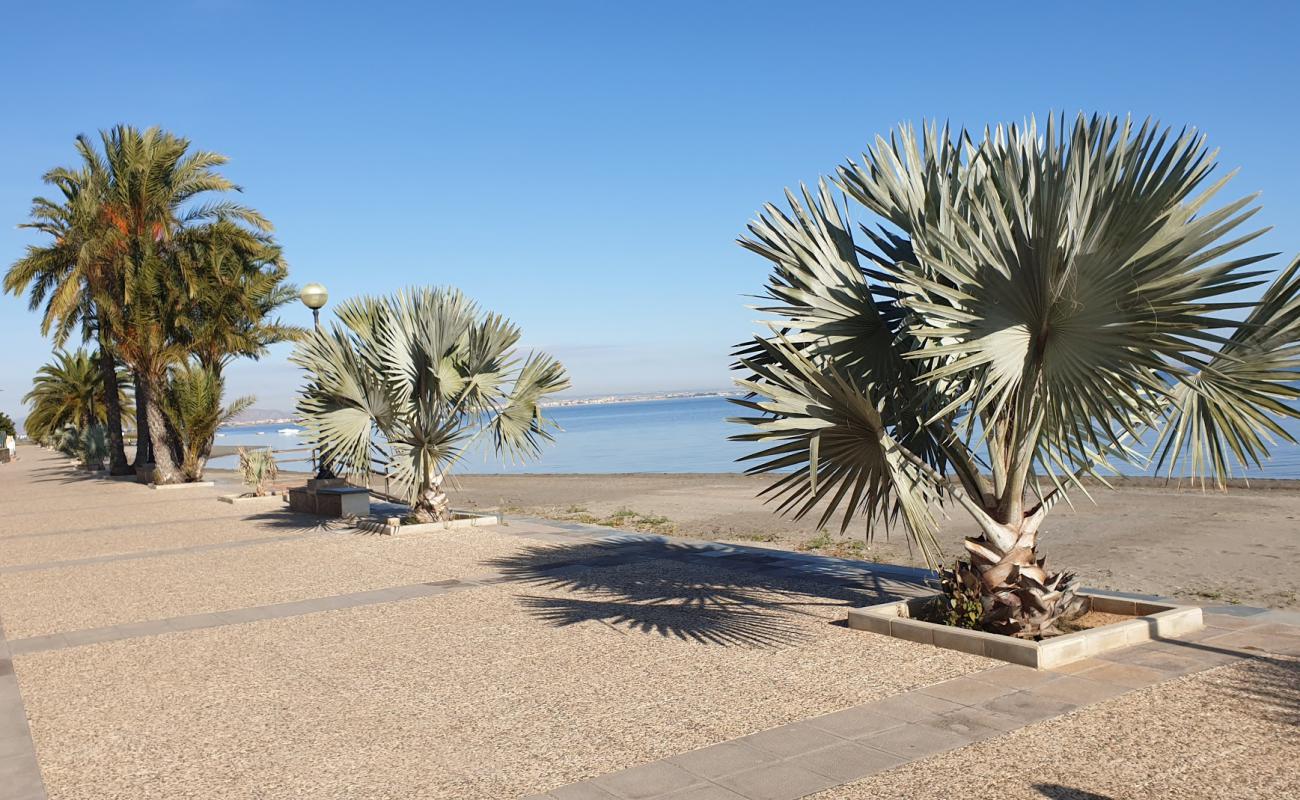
1018 596
165 468
113 411
143 442
432 504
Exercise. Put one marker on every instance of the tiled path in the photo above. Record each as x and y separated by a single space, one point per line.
781 763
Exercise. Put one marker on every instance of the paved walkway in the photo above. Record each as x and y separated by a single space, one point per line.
181 647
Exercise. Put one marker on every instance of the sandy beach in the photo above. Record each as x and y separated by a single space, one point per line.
1238 546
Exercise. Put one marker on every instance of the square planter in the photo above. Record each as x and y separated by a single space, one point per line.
1151 620
392 526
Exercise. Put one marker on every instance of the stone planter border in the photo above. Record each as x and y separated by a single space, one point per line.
392 526
1154 620
192 485
236 500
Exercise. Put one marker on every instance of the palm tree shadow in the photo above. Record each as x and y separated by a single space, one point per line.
1270 684
1056 791
298 522
672 590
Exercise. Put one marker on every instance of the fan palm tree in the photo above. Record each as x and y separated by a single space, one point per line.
69 391
429 373
1034 306
65 275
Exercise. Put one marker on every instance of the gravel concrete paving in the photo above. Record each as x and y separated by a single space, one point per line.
1232 732
62 599
475 694
581 660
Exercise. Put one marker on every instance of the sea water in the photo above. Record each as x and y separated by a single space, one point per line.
678 435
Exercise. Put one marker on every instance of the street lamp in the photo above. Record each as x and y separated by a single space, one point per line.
314 296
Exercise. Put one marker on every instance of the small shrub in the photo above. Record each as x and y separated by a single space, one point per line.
258 468
961 597
819 542
94 446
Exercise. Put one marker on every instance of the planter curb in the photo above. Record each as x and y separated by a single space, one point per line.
1153 620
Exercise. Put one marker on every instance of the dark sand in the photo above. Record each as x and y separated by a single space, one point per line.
1236 546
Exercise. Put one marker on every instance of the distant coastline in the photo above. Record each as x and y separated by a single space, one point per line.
267 417
636 398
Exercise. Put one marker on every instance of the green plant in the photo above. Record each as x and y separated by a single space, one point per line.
69 390
67 441
430 374
258 468
94 446
1033 304
821 541
192 405
961 598
7 427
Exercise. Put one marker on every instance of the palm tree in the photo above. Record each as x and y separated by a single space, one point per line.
149 184
235 281
69 392
429 373
193 407
1034 306
65 275
7 427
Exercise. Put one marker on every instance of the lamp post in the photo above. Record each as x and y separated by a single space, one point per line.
314 296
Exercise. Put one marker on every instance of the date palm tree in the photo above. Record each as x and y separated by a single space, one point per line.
151 188
235 280
412 380
65 275
70 391
1034 305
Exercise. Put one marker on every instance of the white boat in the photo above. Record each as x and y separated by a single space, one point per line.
289 431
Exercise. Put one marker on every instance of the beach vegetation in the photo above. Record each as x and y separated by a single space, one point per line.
1018 310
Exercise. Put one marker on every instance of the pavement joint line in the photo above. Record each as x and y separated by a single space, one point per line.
217 619
20 772
142 554
126 526
170 500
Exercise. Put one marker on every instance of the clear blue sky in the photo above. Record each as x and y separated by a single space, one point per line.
584 168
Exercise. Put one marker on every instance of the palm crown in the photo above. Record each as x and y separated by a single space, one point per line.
430 373
1033 305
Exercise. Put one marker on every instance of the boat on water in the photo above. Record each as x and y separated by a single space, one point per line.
289 431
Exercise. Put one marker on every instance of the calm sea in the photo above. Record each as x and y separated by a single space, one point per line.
684 435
